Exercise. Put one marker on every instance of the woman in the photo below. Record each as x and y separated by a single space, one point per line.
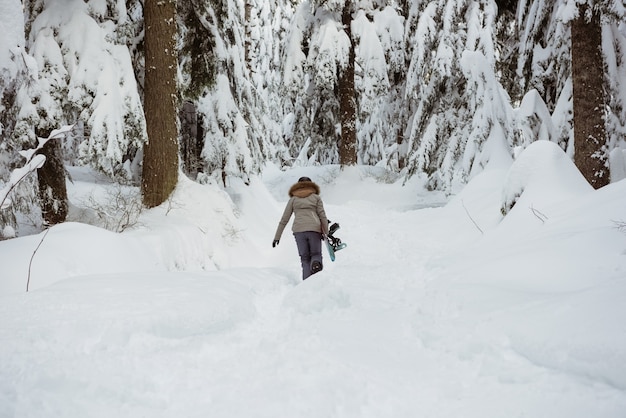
309 224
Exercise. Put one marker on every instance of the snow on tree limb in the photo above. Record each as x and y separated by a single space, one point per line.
33 162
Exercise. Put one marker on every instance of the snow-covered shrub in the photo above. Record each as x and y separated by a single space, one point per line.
543 174
116 209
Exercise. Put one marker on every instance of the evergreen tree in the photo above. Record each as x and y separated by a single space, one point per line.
544 63
235 132
380 79
198 69
614 47
321 95
197 54
507 49
458 111
316 45
15 78
86 78
266 32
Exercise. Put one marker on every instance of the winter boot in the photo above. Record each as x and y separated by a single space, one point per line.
316 266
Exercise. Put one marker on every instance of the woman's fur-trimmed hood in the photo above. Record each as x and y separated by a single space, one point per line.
304 189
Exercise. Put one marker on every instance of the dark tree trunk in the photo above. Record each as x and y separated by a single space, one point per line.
247 42
404 7
52 187
400 145
347 99
191 137
590 152
160 157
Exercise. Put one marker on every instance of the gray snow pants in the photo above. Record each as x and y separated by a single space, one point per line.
310 249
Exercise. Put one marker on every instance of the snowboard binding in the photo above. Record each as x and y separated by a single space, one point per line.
334 241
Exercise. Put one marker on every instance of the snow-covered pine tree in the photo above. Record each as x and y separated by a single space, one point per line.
17 83
87 77
52 93
267 23
132 31
235 141
312 125
544 64
292 92
378 33
321 87
532 118
544 48
197 72
460 113
614 47
507 49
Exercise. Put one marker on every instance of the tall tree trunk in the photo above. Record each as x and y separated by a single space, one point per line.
590 152
347 99
160 153
52 187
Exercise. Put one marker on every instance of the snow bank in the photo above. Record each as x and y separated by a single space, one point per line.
69 250
421 312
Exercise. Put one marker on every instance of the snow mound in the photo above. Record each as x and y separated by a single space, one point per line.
162 305
542 174
69 250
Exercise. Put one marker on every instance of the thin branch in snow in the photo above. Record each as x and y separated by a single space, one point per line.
17 176
33 256
33 162
620 225
543 218
472 219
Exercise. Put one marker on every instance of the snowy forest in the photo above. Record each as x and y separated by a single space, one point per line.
435 89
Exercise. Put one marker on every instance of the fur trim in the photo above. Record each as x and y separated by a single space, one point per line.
304 189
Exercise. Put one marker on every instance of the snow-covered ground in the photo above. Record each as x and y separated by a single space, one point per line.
438 307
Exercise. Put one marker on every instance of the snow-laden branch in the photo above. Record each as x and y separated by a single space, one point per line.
33 162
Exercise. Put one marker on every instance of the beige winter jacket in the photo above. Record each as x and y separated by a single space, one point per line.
308 208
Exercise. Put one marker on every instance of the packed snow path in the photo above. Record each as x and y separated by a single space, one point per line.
407 322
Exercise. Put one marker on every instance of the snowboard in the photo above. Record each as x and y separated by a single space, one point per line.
333 244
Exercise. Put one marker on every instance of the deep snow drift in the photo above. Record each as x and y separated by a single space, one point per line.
436 309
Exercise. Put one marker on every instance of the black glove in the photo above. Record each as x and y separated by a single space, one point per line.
275 243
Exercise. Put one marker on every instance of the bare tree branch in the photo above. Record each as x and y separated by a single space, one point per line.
472 219
543 218
33 256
